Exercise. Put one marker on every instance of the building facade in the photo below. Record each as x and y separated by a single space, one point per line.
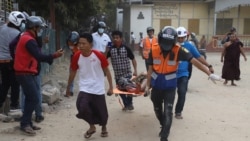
212 18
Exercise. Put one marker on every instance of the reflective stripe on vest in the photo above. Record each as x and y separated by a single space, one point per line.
167 76
163 65
147 46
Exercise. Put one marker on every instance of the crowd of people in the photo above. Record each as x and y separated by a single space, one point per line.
20 49
168 58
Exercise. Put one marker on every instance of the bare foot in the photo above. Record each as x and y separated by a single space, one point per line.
225 82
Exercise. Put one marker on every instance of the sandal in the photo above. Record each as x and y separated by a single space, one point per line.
89 134
104 134
28 131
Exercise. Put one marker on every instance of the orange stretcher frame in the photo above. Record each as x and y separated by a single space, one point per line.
117 92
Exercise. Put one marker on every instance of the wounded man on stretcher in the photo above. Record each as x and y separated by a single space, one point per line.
136 85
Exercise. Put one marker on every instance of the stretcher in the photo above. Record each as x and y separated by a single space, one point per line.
116 91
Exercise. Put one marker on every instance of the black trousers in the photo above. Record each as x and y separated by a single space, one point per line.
8 80
163 107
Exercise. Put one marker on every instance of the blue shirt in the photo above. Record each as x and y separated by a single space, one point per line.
183 65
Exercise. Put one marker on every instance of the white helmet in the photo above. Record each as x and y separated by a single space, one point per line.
16 18
181 31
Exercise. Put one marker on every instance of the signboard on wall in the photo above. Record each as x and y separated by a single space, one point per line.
164 11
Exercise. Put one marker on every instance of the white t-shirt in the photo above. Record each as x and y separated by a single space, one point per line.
91 76
132 37
100 42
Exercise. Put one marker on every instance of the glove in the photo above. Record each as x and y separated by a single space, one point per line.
214 78
147 92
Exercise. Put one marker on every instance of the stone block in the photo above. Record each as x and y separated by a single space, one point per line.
50 94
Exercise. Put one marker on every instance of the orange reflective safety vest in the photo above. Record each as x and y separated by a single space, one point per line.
164 69
147 45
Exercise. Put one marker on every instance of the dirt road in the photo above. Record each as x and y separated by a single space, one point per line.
213 112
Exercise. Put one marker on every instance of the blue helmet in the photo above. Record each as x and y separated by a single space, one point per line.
73 37
34 21
167 38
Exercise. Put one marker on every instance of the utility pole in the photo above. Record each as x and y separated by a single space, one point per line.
53 24
52 13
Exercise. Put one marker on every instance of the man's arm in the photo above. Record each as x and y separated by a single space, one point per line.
204 62
200 66
107 47
198 56
150 71
109 78
33 49
134 66
212 77
70 80
185 55
141 48
106 51
148 83
224 50
242 53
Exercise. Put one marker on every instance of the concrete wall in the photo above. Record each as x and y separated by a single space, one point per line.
141 18
126 22
179 15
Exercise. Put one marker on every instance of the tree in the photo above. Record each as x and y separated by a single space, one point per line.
69 14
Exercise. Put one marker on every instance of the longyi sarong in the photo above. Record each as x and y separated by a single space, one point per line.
92 108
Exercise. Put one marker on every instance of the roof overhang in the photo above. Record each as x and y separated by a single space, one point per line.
222 5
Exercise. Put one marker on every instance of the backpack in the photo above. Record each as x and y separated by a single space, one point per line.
13 45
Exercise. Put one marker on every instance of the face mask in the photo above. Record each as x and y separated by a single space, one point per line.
22 27
40 33
100 30
71 47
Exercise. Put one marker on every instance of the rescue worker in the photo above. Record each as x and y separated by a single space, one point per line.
183 72
147 43
163 63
